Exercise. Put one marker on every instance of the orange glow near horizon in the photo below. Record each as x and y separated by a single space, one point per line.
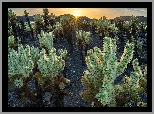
97 13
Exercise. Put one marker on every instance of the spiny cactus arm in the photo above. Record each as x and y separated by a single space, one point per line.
27 28
93 63
90 82
87 37
142 81
79 35
34 53
106 48
125 58
62 53
137 67
45 11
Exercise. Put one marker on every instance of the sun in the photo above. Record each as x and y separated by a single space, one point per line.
76 14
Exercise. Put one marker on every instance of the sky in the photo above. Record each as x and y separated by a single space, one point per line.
97 13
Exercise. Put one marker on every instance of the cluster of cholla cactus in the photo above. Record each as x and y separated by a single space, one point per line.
67 21
131 26
84 24
49 65
83 39
104 68
131 29
105 28
44 66
93 24
20 64
49 20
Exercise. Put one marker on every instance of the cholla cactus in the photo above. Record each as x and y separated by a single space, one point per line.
84 25
52 19
11 15
20 63
39 23
32 24
93 24
10 41
38 18
105 28
52 16
45 11
58 29
50 28
104 68
50 65
34 53
132 84
132 25
84 36
67 21
26 13
10 32
27 28
46 39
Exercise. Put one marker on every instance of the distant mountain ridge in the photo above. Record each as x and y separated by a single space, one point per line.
124 18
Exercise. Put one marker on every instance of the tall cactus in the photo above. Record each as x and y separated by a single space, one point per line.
20 63
104 68
46 40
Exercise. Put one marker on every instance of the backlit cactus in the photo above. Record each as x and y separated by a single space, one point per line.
50 65
93 24
104 68
105 28
84 36
20 63
58 29
46 39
